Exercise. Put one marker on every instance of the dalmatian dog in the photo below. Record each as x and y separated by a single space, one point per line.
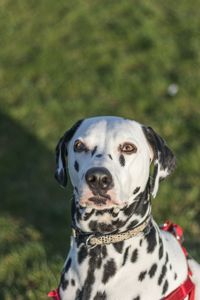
117 249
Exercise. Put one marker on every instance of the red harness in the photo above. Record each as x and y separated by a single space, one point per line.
185 289
54 295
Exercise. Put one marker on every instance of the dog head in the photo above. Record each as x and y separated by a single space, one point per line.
109 159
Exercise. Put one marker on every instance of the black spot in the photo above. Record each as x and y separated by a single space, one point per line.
88 215
142 275
151 240
132 224
139 205
104 227
175 276
136 298
152 270
118 223
160 253
99 155
129 209
93 226
118 246
100 227
94 150
170 266
162 275
64 284
96 254
78 214
134 256
136 190
125 256
109 270
93 263
100 296
76 166
82 254
99 262
167 258
122 160
141 241
104 251
68 265
114 214
73 283
78 294
110 156
165 287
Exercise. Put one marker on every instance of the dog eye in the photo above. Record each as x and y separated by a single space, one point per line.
79 146
128 148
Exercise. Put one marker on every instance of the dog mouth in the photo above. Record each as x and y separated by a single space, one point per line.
99 202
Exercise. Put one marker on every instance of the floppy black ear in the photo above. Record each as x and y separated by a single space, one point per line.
164 159
61 154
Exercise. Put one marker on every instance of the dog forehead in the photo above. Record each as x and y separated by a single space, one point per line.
99 129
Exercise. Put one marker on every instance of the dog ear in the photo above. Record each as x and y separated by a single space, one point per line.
61 154
163 159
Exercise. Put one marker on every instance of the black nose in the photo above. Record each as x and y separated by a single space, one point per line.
99 179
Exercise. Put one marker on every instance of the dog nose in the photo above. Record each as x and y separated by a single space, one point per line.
99 179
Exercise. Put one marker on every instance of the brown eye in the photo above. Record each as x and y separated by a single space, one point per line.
79 146
128 148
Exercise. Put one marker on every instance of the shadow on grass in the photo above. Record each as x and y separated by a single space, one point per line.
28 189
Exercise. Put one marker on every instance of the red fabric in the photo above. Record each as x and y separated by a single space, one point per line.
54 295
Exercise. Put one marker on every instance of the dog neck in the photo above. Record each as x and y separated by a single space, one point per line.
114 220
96 239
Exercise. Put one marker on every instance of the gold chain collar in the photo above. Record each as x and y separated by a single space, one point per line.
93 241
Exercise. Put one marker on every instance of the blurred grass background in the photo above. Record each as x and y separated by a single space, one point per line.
64 60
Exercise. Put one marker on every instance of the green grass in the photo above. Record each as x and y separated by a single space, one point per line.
65 60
